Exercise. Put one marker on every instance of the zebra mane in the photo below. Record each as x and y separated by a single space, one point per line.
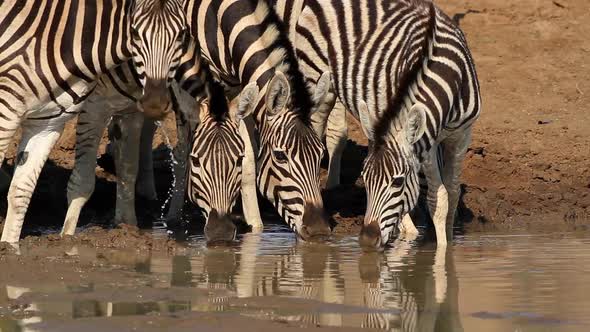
394 107
300 97
218 105
158 4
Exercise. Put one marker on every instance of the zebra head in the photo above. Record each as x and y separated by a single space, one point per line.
289 161
160 36
390 173
216 160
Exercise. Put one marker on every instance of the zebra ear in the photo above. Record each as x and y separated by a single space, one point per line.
247 101
322 88
367 120
277 95
416 125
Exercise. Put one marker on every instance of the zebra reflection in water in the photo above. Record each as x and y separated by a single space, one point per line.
407 288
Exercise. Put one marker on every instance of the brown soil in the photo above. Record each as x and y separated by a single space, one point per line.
528 165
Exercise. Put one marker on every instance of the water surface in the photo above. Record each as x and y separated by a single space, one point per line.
480 283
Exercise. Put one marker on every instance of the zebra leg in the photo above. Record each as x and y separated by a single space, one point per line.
455 148
336 137
89 131
249 185
329 121
8 129
437 197
184 106
145 186
34 148
407 227
127 134
9 122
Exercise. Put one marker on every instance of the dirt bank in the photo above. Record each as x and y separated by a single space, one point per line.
528 164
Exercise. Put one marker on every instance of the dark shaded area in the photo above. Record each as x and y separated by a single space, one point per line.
348 201
48 205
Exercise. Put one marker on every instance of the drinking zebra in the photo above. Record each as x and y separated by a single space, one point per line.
370 47
216 157
244 42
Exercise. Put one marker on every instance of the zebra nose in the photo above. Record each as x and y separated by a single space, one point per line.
315 224
370 237
155 102
219 229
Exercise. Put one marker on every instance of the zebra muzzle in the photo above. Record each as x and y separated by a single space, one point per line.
315 225
156 101
370 237
219 229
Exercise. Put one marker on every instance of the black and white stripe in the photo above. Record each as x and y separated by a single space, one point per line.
160 36
435 101
215 165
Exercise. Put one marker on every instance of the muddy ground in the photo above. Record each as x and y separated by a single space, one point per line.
528 165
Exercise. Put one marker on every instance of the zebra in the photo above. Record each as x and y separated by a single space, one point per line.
157 50
432 113
369 47
217 153
49 69
245 42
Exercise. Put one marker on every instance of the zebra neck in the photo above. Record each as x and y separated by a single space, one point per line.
289 12
245 41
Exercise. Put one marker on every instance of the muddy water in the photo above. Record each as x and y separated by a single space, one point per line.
269 282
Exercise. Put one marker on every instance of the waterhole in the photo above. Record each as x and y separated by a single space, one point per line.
268 281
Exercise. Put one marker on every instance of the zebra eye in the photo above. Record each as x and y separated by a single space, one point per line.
195 161
184 40
135 34
182 36
239 162
280 156
398 181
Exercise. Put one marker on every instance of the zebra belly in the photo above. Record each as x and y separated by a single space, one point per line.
62 105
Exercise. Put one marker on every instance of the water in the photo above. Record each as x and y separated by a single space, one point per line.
480 283
161 223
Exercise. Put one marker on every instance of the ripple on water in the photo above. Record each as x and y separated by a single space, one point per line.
480 283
